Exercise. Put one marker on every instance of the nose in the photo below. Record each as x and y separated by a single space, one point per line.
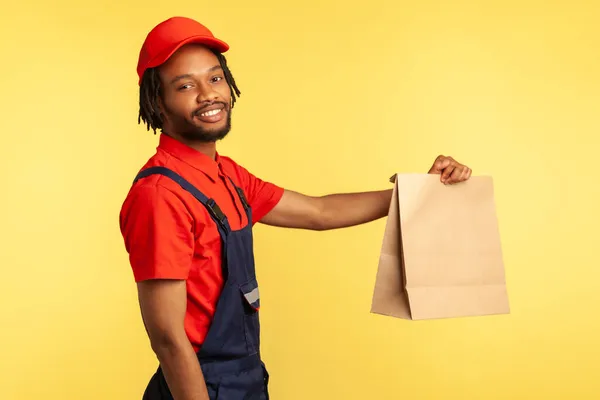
206 94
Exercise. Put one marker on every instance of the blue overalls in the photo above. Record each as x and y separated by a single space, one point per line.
229 357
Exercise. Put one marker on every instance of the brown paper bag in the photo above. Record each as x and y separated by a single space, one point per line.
441 255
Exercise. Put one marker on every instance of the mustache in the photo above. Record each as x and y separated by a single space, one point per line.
202 109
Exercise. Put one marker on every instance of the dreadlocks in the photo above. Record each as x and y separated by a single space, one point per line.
150 90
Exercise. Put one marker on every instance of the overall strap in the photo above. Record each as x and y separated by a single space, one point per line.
213 209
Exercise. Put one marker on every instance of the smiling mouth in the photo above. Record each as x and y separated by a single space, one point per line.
211 113
214 114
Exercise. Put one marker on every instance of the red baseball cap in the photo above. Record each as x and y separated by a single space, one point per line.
168 36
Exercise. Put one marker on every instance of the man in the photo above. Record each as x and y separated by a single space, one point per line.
187 222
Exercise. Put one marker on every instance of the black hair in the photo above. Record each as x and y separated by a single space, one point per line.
150 90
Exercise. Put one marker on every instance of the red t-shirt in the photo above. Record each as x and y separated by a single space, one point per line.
170 235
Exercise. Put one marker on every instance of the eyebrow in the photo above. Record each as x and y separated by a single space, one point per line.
184 76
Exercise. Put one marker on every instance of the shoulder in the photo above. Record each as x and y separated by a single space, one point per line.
158 185
154 201
156 194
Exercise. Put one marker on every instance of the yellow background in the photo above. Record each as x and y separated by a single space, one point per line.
510 88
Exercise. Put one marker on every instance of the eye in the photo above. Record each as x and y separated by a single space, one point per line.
216 79
185 87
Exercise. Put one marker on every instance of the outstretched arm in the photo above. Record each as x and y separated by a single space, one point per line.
296 210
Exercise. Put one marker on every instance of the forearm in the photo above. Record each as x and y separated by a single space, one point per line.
350 209
181 370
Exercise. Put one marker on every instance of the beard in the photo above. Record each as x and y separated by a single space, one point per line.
193 132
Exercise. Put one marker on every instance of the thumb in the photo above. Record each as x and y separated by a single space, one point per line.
439 165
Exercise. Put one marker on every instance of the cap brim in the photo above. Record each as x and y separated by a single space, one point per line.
212 43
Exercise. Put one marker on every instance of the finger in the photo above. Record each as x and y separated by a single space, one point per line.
450 163
446 173
456 175
445 163
466 174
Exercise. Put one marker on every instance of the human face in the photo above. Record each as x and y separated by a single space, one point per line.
196 98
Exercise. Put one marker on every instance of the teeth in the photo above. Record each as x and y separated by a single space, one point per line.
210 113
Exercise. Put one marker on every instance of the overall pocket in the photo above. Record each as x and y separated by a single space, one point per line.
251 304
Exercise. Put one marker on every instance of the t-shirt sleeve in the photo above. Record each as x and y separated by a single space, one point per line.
158 234
263 196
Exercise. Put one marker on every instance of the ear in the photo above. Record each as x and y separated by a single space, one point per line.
161 108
